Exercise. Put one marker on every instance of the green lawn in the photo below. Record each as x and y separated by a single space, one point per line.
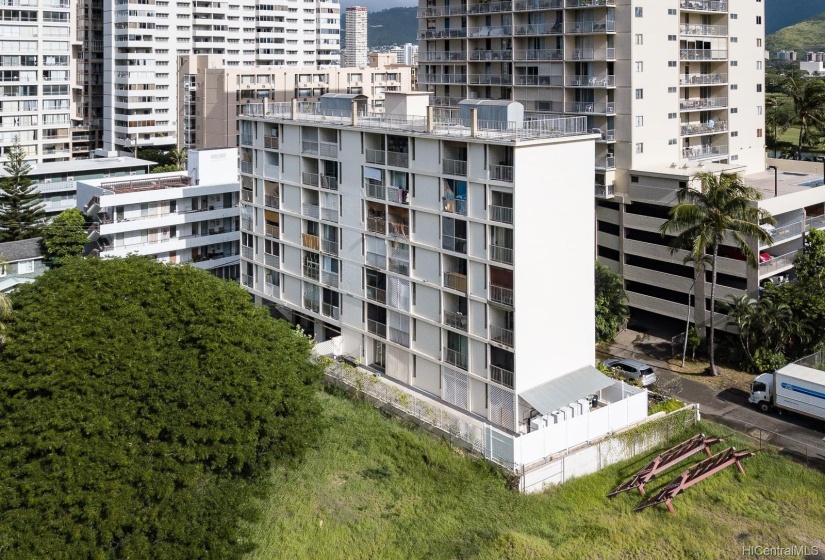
376 488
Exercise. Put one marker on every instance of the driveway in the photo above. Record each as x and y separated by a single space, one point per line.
798 436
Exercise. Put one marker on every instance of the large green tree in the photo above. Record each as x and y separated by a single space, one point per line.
21 209
65 236
808 96
611 304
703 219
142 403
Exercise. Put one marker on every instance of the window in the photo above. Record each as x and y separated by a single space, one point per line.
734 134
671 37
640 66
640 120
671 90
758 20
734 110
27 267
640 148
671 115
734 39
639 39
734 158
640 94
671 12
734 86
759 65
639 11
758 88
759 133
734 63
671 142
734 16
634 178
759 42
759 109
671 64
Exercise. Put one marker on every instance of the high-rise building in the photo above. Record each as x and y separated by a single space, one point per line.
142 43
356 50
36 53
672 87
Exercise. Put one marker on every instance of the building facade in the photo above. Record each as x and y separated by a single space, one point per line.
410 239
23 262
142 43
180 217
356 49
37 79
213 95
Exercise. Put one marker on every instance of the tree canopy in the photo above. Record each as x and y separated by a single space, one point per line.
65 236
611 304
21 209
141 405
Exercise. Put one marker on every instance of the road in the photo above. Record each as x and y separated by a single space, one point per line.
798 436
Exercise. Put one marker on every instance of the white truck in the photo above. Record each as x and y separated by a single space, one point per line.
796 388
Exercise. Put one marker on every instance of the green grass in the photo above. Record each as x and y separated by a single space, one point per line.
377 488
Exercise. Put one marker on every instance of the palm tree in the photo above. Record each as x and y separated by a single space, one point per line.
178 157
742 314
703 219
808 96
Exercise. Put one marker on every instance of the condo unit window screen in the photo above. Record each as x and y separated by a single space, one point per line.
399 326
501 407
455 387
398 293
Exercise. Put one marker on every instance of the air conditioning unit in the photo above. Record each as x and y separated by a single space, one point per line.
70 178
47 180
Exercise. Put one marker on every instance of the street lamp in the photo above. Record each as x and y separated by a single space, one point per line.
775 179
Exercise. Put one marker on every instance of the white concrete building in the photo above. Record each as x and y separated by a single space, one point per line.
36 70
356 49
143 40
409 239
180 217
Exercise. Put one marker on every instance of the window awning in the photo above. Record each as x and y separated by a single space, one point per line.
556 393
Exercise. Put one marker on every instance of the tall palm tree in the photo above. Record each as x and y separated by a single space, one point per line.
703 219
808 96
178 157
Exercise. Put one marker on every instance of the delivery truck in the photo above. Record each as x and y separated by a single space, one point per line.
795 388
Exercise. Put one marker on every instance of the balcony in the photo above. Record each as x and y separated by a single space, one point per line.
329 182
591 81
246 195
272 142
703 30
328 149
502 214
398 159
591 54
273 261
272 289
438 11
331 311
456 358
246 252
247 280
376 294
489 79
442 33
454 167
400 337
311 304
502 295
309 179
329 247
329 214
777 264
377 224
309 147
501 254
703 54
710 127
590 107
501 173
376 260
536 80
454 244
501 335
701 152
397 195
329 278
246 167
398 228
605 191
271 201
456 320
539 54
703 5
310 241
310 210
490 8
489 31
702 79
442 56
538 29
455 205
246 139
703 103
375 157
590 27
606 162
312 271
376 328
501 376
272 231
527 5
455 281
590 3
482 54
376 190
399 266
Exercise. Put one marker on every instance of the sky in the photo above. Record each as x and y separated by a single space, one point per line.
375 5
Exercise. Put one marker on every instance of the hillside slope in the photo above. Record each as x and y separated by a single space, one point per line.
802 37
782 13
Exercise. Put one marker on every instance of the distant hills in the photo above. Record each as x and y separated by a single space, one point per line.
782 13
802 37
387 27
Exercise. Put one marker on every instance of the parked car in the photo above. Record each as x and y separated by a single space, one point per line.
735 253
633 369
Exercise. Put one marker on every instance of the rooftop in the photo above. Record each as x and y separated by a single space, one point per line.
25 249
443 123
81 165
787 182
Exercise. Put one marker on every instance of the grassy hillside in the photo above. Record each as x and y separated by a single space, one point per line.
376 488
782 13
802 37
387 27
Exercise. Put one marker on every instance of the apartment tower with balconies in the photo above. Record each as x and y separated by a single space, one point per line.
356 49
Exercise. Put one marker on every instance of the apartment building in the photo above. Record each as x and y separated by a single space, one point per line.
212 95
179 217
142 43
409 239
672 87
87 85
35 62
356 49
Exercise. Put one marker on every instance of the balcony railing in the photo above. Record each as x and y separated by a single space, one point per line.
377 224
702 79
399 266
376 294
501 335
329 278
586 27
608 108
376 328
703 54
456 320
246 167
501 376
310 179
454 167
246 195
606 162
312 271
272 231
376 157
329 246
777 263
438 11
590 3
310 210
456 358
699 152
398 228
455 244
605 191
246 139
703 30
309 147
376 260
501 254
376 190
703 104
246 252
273 261
500 294
328 149
329 214
397 195
538 29
704 5
271 289
455 281
310 241
312 304
329 310
247 280
591 81
490 8
501 173
442 56
539 54
482 54
271 201
329 182
710 127
400 337
398 159
503 214
455 206
272 142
